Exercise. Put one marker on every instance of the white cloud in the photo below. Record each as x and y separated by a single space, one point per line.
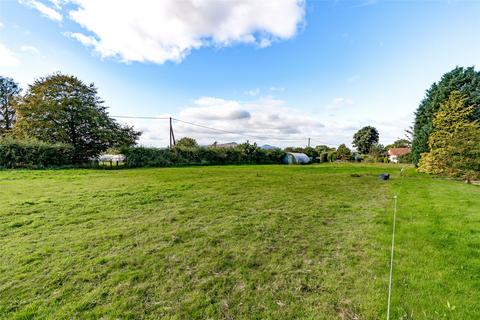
83 39
29 49
209 108
253 92
264 120
167 30
342 102
45 10
1 24
8 57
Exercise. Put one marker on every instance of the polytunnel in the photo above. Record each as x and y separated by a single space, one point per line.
296 158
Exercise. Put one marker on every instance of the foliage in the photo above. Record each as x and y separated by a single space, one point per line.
323 157
365 138
311 152
9 95
33 154
455 140
61 108
343 153
464 80
399 143
406 158
378 150
243 154
323 148
331 156
186 142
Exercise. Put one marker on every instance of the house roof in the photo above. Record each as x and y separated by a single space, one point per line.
398 151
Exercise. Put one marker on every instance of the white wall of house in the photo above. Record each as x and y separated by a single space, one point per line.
393 159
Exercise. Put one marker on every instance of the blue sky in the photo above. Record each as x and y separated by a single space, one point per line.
285 70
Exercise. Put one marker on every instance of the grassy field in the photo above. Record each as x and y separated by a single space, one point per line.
237 242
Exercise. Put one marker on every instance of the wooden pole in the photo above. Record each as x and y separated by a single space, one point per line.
172 136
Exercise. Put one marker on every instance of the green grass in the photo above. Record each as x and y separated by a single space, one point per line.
236 242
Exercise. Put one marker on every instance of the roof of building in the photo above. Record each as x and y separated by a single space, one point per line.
398 151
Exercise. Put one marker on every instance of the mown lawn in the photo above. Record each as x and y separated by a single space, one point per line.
236 242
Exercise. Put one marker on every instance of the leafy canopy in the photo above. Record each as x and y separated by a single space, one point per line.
365 138
464 80
61 108
343 153
455 141
187 142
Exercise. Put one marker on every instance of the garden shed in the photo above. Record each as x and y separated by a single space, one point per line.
296 158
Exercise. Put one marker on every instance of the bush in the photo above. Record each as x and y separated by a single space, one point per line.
323 157
34 154
243 154
406 158
332 156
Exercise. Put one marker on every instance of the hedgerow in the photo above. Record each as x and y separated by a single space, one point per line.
243 154
34 154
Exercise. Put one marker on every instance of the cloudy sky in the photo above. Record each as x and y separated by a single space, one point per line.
272 71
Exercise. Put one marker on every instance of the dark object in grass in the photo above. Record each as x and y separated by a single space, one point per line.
354 175
384 176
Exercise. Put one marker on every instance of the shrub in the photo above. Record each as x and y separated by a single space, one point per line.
243 154
323 157
34 154
332 156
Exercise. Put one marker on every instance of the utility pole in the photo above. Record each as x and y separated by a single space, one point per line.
309 142
172 136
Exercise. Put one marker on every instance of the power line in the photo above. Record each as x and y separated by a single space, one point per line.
138 117
217 129
236 133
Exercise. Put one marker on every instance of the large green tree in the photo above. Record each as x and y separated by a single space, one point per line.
9 95
365 138
455 141
61 108
464 80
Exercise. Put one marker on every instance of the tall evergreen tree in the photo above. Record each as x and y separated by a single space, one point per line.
455 141
9 94
464 80
61 108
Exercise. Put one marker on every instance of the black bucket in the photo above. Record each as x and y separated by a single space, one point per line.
384 176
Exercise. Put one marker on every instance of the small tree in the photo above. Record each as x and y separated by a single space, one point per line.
311 152
365 138
455 141
61 108
399 143
331 156
187 142
323 148
343 153
9 94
